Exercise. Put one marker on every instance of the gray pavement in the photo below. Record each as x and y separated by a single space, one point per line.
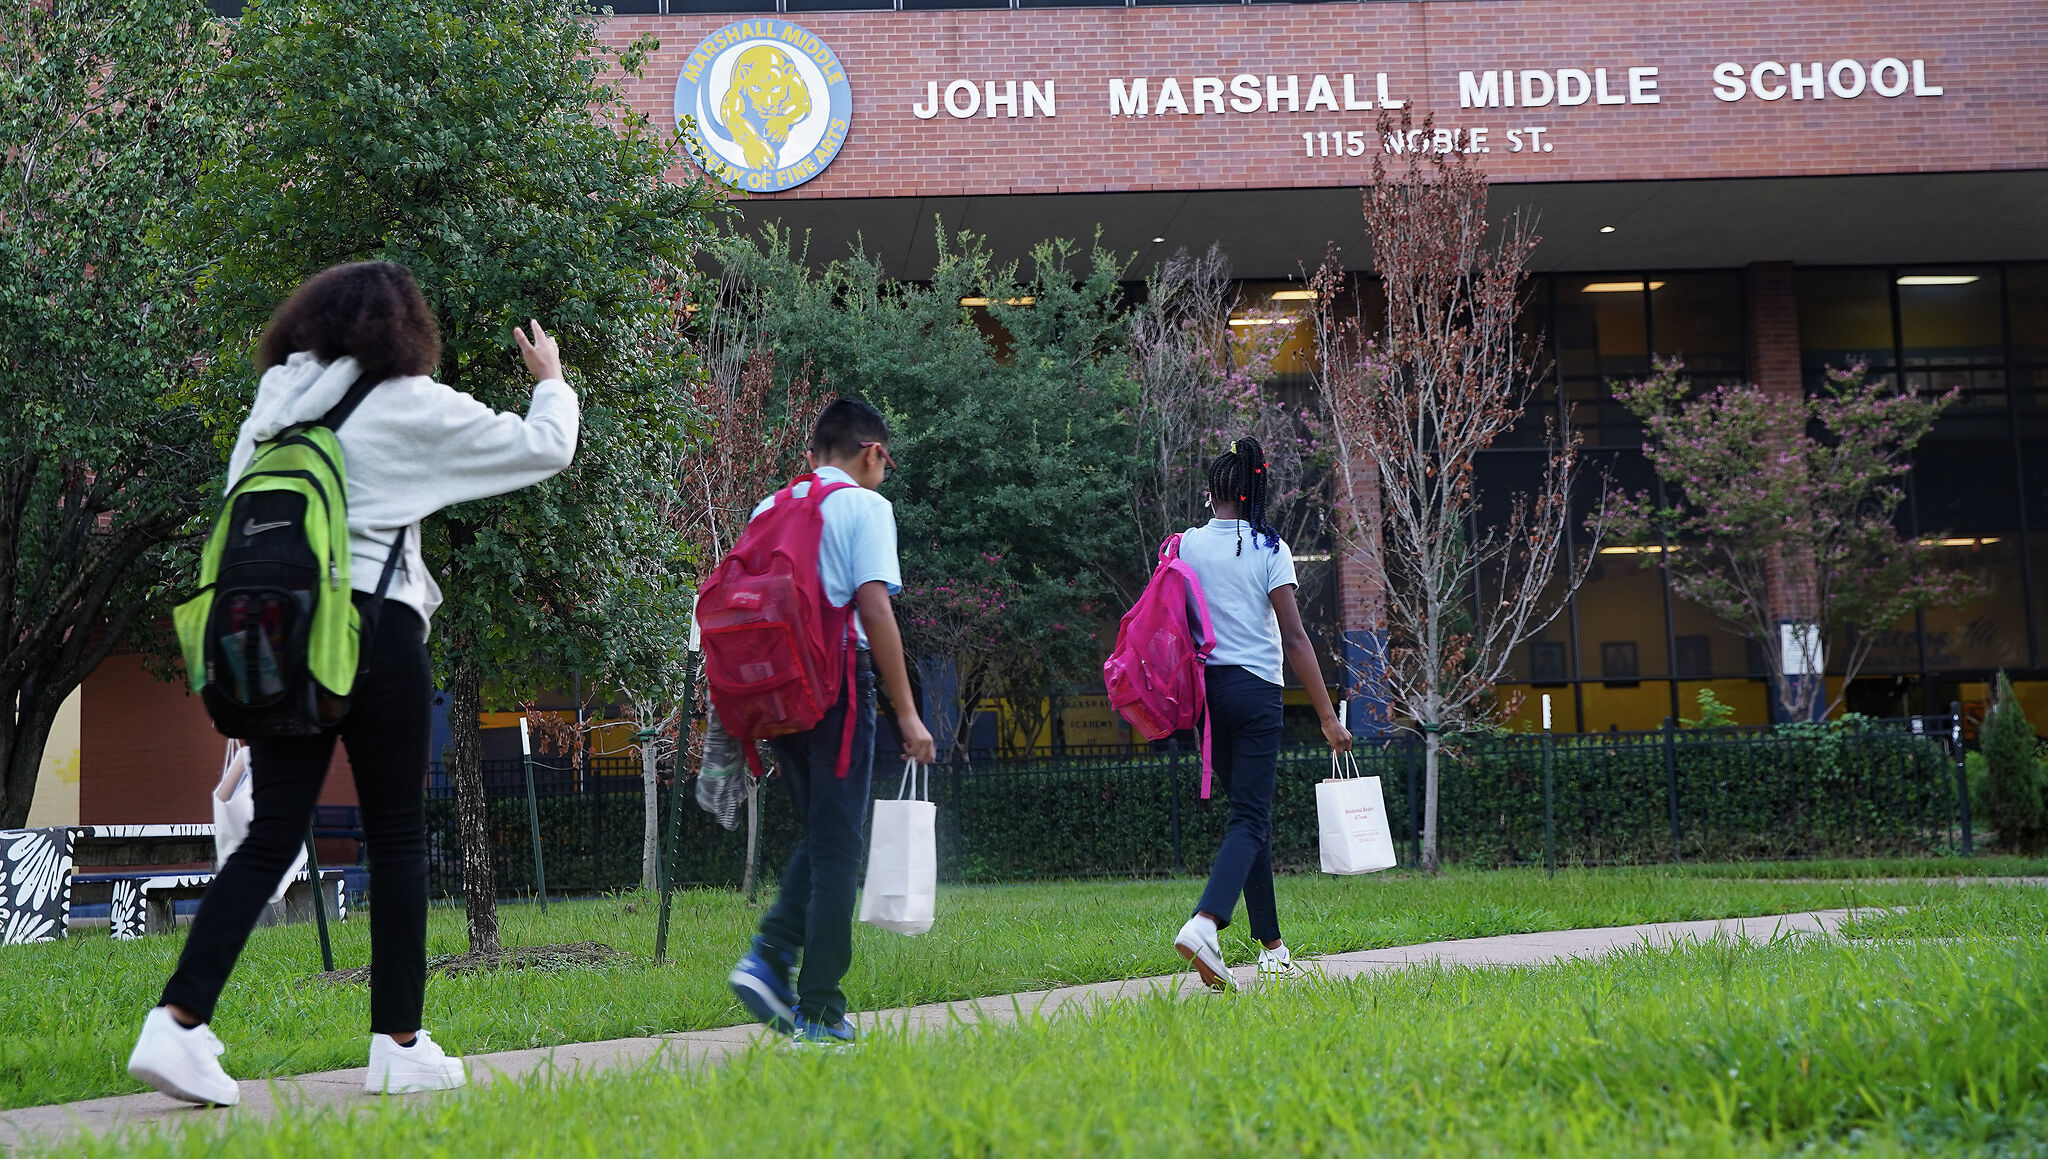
51 1125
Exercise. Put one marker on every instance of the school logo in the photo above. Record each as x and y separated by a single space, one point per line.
765 104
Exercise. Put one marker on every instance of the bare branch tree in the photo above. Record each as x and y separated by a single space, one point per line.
1443 378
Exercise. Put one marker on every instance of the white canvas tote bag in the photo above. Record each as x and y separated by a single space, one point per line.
234 809
1351 818
903 859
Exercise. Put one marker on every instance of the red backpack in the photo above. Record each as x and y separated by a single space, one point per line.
1155 675
774 648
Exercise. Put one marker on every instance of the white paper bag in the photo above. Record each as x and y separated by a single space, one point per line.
903 860
1351 817
234 808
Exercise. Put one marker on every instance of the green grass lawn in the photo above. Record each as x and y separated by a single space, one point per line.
1872 1047
72 1007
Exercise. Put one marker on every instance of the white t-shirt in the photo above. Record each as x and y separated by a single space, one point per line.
859 544
1239 589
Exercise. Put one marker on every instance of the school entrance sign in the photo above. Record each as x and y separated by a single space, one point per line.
764 103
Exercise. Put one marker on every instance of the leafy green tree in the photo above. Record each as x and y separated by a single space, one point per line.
2014 792
104 457
1009 392
487 145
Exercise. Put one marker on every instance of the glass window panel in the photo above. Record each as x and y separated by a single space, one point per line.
929 5
2034 464
1533 327
1845 316
1991 630
1895 650
628 7
1707 645
839 5
1601 326
1698 317
676 6
1070 3
2026 294
1965 486
1621 621
2030 393
1979 408
1950 324
1750 699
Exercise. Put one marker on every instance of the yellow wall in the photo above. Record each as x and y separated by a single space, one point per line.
56 799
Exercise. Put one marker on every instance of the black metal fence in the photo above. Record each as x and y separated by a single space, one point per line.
1610 799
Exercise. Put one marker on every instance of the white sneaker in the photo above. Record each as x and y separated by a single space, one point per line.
401 1070
182 1063
1197 943
1276 964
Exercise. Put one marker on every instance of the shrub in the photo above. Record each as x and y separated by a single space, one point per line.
2013 789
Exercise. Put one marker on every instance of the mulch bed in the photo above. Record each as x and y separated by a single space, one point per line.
573 955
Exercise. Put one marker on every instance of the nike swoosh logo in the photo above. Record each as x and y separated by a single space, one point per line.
251 527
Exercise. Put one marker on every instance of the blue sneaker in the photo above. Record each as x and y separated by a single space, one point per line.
809 1033
761 982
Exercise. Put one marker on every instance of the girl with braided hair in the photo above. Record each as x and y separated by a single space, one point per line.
1247 576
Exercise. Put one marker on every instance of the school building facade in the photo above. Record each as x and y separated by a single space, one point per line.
1765 188
1768 188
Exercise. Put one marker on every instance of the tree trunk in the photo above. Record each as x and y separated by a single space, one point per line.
472 816
24 733
650 829
750 880
1432 745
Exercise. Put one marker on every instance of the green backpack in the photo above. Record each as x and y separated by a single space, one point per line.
272 641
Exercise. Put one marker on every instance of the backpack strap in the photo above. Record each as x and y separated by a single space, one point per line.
1169 557
374 612
358 391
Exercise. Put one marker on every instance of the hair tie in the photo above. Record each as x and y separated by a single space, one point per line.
1233 446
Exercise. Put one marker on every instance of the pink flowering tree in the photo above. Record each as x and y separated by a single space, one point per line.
1415 403
1777 516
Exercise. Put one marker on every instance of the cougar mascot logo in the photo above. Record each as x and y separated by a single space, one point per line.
764 103
766 97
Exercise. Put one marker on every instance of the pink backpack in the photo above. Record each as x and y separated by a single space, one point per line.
1154 676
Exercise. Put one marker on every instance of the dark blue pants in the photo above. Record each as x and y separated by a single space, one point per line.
813 912
1244 715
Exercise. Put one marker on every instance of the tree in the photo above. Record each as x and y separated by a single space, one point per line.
1201 383
1779 514
2014 789
1419 401
105 457
489 147
1009 397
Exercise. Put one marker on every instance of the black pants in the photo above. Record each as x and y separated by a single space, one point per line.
813 911
1244 714
386 733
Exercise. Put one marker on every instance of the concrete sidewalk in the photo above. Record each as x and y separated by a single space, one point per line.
262 1098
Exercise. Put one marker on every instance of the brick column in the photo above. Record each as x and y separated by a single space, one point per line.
1773 349
1361 599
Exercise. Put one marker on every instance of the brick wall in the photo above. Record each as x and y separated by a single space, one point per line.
1986 56
148 754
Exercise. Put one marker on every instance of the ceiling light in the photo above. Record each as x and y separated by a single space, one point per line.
1261 321
1006 301
1617 287
1294 296
1157 240
1937 279
1963 541
1652 549
1606 229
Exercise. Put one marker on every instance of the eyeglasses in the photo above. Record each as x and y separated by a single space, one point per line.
885 452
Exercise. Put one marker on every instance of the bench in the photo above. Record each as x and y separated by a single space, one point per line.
139 904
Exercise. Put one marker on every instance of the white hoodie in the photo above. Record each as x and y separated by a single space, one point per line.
411 448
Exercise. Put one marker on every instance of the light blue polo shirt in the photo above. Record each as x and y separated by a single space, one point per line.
859 544
1239 589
